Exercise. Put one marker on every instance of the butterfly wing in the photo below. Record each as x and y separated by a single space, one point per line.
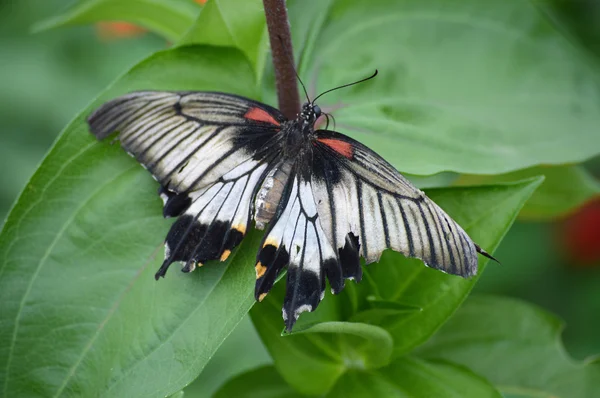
187 140
342 202
296 239
209 152
359 192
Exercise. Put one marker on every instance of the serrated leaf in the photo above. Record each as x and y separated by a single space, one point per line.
312 365
233 23
474 86
516 346
170 18
80 311
565 188
412 377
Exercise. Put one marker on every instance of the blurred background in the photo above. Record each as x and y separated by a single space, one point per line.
47 78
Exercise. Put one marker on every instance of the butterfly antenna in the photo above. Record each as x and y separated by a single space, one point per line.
346 85
293 67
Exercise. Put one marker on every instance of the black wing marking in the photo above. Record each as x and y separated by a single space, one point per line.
358 192
187 140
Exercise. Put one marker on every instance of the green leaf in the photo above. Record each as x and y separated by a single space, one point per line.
312 363
578 19
263 382
307 19
474 86
412 377
309 362
234 23
80 312
366 346
406 377
433 181
242 351
379 314
564 189
516 346
169 18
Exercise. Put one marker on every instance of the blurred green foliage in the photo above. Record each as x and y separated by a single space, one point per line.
50 76
46 79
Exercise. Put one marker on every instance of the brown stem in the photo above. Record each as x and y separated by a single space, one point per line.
283 57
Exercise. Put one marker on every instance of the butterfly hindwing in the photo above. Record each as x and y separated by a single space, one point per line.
216 220
296 239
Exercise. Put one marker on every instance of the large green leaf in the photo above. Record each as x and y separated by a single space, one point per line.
233 23
406 377
169 18
312 363
473 86
516 346
412 377
239 353
80 311
564 189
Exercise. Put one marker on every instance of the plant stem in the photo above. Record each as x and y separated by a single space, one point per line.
283 57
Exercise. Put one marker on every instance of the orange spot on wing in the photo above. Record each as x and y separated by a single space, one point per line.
341 147
260 270
117 30
225 254
260 115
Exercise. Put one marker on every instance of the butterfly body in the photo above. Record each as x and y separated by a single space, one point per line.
270 193
297 138
324 199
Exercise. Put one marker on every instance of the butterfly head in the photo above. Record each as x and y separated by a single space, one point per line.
310 113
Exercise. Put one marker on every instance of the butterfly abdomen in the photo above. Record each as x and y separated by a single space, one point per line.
270 193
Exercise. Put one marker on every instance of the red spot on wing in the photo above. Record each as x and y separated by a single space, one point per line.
341 147
260 115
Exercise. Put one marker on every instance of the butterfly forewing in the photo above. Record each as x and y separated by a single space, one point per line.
359 192
188 140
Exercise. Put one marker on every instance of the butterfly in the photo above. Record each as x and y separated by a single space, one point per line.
325 200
